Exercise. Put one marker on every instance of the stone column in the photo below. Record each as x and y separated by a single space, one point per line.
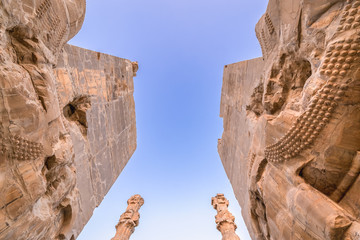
129 219
225 221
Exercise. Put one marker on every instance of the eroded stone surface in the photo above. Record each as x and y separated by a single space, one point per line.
291 132
67 121
129 219
95 93
225 221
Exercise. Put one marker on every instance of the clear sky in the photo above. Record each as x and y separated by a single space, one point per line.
182 47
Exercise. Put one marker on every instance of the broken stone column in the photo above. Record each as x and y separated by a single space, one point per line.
225 221
129 219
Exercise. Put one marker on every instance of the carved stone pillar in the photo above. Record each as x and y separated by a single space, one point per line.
225 221
129 219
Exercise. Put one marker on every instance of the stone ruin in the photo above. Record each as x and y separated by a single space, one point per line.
67 121
291 140
225 221
129 219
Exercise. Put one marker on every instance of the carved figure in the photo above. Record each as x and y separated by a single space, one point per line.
304 128
37 176
67 121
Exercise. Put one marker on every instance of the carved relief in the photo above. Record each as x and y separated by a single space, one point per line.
304 181
22 149
37 173
339 59
59 154
269 23
265 42
265 36
44 6
350 18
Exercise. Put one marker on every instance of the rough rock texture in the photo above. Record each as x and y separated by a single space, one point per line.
225 221
95 93
129 219
66 132
291 141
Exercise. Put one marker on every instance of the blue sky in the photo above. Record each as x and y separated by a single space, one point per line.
181 47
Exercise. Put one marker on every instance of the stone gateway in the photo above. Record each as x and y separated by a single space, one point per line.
67 121
291 140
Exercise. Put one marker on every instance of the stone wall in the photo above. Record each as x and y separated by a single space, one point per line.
67 121
96 94
239 130
291 145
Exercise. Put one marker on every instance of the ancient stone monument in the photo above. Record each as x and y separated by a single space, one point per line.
129 219
225 221
67 121
291 140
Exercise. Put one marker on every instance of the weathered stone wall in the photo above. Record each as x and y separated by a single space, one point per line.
96 94
67 127
239 130
291 141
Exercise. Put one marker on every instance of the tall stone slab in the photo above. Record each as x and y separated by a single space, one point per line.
67 121
291 142
95 92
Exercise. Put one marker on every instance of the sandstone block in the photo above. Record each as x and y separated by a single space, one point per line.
290 144
60 107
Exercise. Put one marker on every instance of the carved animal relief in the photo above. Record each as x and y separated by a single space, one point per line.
303 127
48 121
